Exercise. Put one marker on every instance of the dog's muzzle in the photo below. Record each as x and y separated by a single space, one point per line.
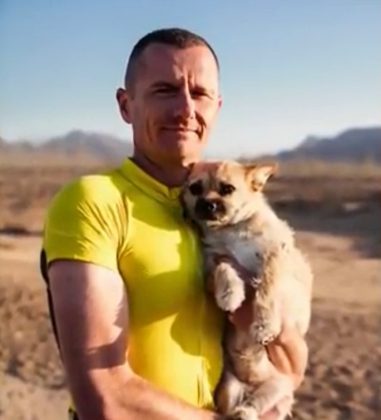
209 209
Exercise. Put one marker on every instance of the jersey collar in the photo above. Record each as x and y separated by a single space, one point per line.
148 184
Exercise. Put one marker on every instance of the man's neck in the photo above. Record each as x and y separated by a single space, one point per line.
171 176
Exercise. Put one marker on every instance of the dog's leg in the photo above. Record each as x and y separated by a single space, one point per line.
267 302
267 320
276 393
244 412
230 399
229 288
229 393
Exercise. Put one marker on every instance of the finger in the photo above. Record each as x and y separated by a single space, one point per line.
279 358
289 355
296 350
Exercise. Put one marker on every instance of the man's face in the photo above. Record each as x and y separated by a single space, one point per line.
173 103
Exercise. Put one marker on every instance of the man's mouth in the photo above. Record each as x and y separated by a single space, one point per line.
179 129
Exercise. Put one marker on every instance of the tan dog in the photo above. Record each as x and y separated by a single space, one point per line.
225 201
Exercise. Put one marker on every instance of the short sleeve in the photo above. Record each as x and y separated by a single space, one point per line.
85 222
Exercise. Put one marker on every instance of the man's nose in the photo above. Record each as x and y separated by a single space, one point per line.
185 106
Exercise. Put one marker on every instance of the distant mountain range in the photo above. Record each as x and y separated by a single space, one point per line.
75 144
353 145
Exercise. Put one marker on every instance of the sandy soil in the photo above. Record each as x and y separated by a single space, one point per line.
344 374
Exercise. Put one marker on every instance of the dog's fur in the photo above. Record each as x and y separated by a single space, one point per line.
225 201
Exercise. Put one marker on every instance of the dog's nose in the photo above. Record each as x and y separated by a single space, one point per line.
210 206
207 205
208 209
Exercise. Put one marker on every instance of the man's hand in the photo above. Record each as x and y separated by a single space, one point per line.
288 352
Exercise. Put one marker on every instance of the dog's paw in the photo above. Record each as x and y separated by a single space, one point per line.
229 288
263 332
244 412
230 297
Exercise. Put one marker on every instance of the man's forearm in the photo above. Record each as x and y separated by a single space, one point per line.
131 397
143 401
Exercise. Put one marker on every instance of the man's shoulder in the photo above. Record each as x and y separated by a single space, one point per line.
100 187
103 190
86 220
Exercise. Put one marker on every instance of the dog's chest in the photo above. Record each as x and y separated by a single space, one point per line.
244 246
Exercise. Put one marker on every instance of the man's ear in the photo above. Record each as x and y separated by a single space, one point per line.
220 102
123 100
258 174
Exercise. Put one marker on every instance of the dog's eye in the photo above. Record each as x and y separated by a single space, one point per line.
226 189
196 188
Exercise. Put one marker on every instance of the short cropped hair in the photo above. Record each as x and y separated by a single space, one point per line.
176 37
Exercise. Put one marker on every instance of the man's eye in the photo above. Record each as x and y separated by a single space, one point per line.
196 188
164 90
226 189
198 94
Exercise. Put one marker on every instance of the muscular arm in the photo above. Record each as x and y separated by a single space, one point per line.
91 311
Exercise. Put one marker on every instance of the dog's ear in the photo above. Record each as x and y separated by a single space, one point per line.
259 174
203 167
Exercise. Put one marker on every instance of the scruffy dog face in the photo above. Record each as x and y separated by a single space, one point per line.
217 194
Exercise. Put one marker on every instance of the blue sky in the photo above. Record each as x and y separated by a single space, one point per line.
288 68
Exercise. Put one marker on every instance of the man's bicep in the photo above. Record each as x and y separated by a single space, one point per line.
90 310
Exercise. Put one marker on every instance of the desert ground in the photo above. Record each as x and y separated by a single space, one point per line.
337 218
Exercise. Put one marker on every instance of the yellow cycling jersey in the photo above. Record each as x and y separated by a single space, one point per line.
131 223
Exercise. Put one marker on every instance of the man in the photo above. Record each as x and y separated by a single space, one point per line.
138 336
